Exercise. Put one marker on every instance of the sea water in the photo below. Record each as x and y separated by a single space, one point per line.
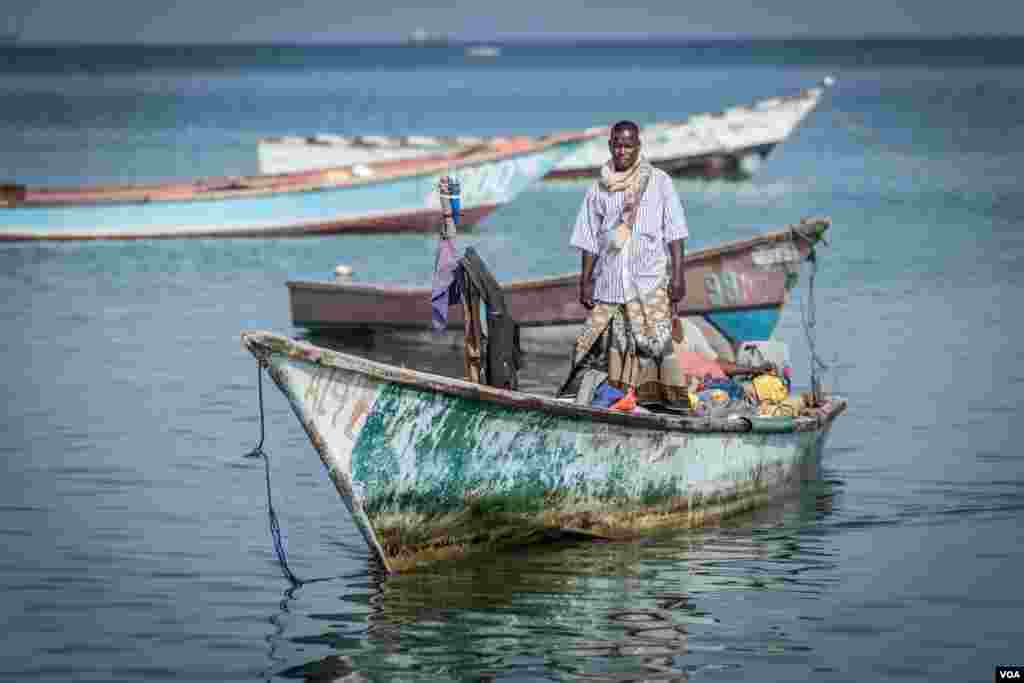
136 534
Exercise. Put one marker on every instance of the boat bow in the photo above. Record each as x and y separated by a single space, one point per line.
435 468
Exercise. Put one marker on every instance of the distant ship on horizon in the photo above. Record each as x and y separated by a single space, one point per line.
422 38
483 51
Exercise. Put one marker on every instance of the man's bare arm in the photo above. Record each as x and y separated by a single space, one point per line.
587 279
677 280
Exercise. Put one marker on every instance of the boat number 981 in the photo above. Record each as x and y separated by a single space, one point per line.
727 288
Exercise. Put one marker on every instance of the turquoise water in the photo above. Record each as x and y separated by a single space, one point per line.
136 533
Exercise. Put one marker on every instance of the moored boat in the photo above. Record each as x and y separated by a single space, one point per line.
381 196
735 293
433 468
728 144
731 143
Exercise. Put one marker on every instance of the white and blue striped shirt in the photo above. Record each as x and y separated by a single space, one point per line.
659 220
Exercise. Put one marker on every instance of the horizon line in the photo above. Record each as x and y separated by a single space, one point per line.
527 39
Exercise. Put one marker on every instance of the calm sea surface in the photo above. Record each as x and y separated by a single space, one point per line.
135 535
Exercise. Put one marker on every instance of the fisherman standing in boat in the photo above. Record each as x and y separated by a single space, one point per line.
630 231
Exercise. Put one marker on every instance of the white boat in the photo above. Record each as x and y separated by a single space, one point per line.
731 143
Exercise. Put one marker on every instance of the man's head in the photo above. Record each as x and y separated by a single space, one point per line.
624 144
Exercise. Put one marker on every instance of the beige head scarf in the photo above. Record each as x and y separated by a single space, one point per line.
632 181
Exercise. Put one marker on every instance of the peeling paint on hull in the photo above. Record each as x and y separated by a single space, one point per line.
433 468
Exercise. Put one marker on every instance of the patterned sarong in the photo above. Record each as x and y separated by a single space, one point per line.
639 341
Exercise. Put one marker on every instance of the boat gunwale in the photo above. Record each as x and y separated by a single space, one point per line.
286 183
362 224
264 344
547 322
818 224
810 94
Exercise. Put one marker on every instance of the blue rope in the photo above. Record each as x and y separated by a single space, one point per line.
275 533
258 451
275 526
809 320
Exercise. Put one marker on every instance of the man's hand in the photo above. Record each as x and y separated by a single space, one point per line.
586 292
677 282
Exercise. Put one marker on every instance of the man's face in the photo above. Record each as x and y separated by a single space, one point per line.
624 144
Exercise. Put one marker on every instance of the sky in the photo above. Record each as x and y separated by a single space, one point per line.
301 21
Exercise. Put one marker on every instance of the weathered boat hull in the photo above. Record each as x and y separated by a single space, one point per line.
729 144
433 468
386 197
732 164
735 293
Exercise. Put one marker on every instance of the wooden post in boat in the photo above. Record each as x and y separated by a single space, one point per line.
471 313
449 189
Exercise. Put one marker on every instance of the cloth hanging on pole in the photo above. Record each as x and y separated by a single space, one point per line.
444 290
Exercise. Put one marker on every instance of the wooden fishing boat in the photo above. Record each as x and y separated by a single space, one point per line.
433 468
727 144
731 143
381 196
735 293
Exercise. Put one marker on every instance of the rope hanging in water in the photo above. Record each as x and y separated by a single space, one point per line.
275 526
258 451
275 533
809 317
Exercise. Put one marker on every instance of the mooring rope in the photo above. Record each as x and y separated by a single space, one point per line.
809 320
275 526
258 451
808 311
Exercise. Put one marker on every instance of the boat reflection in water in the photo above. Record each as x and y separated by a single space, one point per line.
608 611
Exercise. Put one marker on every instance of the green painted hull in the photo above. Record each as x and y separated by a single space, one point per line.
434 468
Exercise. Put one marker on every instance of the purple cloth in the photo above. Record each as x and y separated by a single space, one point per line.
445 288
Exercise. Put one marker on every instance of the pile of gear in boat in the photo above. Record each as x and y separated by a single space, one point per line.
758 383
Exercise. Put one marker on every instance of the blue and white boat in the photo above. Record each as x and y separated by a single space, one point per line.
382 196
